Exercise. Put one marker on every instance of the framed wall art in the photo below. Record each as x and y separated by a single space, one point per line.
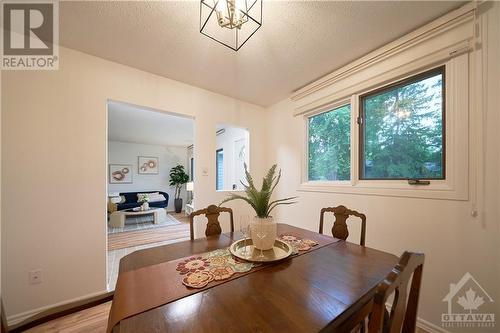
147 165
120 174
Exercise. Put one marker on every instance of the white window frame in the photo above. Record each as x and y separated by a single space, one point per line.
455 186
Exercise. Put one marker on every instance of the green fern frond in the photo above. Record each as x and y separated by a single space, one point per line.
238 197
261 200
267 182
248 176
278 204
281 200
277 181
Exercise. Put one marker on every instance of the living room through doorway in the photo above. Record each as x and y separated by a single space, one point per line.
150 157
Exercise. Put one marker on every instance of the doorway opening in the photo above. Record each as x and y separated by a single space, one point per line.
150 156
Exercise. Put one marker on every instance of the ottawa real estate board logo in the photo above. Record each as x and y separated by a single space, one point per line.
30 35
468 305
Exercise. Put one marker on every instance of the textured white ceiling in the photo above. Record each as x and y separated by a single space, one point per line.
130 123
298 42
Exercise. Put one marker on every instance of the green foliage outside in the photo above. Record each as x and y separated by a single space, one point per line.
329 145
402 136
403 132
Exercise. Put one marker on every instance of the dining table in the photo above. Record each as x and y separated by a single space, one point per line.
315 291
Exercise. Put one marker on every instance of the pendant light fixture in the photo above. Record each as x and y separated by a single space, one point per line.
230 22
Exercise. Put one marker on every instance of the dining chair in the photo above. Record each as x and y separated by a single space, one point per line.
339 229
402 317
212 213
356 323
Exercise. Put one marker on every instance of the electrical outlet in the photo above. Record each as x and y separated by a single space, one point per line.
35 276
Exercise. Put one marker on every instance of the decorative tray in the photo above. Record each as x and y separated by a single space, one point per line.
280 251
139 210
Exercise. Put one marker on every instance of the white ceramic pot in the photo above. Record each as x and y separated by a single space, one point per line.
263 233
145 206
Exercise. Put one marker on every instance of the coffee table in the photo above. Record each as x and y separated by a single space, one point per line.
117 219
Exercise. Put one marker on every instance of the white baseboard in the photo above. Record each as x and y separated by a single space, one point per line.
430 327
424 324
19 317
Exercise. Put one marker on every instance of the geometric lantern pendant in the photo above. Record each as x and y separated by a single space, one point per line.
230 22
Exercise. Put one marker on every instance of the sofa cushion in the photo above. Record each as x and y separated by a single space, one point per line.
155 197
159 204
131 200
130 197
128 205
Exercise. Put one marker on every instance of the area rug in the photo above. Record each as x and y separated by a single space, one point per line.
135 223
139 239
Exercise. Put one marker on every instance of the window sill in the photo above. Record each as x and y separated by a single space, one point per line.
440 190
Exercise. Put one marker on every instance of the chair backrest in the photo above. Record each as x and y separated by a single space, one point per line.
357 321
212 213
339 229
403 312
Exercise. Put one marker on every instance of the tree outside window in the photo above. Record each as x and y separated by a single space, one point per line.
402 130
329 145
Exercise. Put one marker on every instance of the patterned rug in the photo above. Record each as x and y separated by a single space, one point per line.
134 223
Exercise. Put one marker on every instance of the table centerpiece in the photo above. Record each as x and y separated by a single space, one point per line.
263 229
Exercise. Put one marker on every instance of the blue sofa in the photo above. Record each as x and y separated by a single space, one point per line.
131 200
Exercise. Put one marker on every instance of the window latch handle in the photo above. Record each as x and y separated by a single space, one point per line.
418 182
359 120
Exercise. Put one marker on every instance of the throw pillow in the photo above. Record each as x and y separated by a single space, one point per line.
156 197
142 197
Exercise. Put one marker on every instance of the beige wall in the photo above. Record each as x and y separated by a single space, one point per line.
454 242
54 163
54 180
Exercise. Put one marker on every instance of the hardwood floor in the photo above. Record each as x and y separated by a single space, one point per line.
136 238
91 320
181 217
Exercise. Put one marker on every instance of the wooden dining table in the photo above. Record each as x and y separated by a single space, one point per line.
314 292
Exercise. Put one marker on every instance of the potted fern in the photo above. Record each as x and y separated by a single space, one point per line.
263 228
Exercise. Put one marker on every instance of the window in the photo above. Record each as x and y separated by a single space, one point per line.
410 129
401 132
234 143
329 151
219 173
